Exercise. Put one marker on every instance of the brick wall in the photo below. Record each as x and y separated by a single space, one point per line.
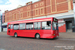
38 9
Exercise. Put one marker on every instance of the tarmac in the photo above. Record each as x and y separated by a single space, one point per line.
67 35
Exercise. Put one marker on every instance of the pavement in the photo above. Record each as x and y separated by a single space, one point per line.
68 35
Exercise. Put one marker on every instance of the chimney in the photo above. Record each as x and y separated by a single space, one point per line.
6 11
29 3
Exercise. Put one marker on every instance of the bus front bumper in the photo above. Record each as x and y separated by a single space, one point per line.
54 36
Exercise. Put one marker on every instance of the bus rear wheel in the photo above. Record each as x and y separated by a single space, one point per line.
37 36
15 35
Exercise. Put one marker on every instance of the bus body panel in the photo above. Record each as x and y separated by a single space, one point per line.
31 33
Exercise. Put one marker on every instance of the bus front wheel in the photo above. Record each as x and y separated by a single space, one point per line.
15 35
37 36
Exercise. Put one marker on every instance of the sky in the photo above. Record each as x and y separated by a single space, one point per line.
12 4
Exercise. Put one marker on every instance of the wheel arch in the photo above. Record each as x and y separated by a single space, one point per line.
36 34
15 33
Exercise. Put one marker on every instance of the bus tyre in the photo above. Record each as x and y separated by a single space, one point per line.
15 35
37 36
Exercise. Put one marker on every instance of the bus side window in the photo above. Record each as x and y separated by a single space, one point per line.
43 25
46 25
16 26
8 26
37 25
22 26
29 26
11 26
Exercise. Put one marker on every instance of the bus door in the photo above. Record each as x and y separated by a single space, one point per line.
55 27
10 29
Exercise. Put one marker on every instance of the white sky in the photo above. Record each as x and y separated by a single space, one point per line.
12 4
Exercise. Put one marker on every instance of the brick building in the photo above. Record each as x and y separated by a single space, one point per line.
60 9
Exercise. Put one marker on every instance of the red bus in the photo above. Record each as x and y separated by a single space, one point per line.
38 28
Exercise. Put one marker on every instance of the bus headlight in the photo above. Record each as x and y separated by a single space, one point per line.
53 34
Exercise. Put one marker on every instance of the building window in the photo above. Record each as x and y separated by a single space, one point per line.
28 7
37 25
21 9
21 15
15 16
22 26
28 14
29 26
42 11
41 4
46 25
8 18
36 12
36 5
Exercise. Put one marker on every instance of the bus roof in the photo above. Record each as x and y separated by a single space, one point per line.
32 20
